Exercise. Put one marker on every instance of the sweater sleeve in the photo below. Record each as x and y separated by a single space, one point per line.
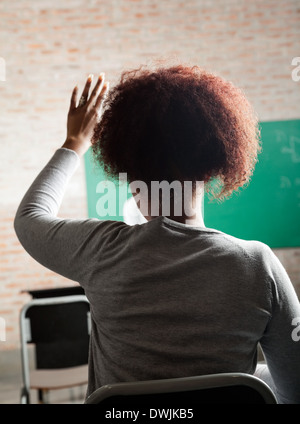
66 246
280 343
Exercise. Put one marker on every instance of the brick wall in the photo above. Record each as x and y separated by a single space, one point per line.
49 46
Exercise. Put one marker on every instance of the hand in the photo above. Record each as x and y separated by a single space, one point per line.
83 118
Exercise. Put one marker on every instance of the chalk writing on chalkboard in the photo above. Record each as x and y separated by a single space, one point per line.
285 182
289 183
291 145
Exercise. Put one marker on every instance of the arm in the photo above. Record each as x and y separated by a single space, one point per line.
281 349
56 243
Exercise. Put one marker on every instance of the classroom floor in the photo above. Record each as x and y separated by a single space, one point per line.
11 383
10 393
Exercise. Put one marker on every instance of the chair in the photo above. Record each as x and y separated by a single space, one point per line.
59 330
186 392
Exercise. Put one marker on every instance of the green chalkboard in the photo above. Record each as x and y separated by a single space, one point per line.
268 209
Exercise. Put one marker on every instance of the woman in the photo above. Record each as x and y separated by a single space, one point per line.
170 297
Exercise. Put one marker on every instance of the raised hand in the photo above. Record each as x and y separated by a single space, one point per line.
83 117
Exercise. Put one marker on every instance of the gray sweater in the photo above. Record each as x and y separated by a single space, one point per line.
167 300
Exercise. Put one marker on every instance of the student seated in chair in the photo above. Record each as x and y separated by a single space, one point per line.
169 297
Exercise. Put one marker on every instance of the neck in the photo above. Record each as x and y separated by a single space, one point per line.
196 221
186 208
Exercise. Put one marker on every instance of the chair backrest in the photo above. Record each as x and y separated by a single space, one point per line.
59 328
186 392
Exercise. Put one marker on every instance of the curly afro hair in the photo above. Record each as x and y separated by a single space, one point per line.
178 123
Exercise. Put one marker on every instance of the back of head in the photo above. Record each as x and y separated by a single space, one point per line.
178 123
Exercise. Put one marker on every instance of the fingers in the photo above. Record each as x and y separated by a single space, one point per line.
97 95
97 89
85 93
101 96
73 101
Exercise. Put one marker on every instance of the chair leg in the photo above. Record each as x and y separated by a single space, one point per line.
43 396
72 394
25 398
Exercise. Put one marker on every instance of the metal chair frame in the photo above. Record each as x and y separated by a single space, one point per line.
121 392
25 337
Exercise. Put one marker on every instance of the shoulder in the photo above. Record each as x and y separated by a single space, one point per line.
252 248
262 260
114 231
254 254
